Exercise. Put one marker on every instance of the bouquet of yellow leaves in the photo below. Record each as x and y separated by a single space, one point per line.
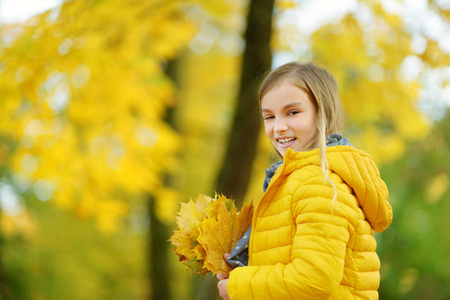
207 229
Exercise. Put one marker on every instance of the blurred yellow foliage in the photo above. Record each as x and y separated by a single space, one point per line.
434 55
84 97
109 211
167 205
203 115
380 103
409 278
20 223
436 188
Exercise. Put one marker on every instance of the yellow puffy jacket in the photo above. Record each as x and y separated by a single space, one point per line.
302 248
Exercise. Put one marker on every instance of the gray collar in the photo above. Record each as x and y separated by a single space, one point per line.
334 139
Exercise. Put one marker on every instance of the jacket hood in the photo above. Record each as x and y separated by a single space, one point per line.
359 171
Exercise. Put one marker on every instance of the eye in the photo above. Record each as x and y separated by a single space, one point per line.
268 117
293 112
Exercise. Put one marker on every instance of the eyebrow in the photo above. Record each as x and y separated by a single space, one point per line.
289 105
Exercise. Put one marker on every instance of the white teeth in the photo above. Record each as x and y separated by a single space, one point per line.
285 140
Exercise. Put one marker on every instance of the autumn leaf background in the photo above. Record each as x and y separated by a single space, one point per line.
113 114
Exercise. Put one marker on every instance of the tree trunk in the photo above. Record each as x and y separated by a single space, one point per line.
160 233
234 176
159 260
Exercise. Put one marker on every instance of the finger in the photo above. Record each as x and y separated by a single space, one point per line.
226 255
222 286
220 276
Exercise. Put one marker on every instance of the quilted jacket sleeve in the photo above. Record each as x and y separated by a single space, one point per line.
318 252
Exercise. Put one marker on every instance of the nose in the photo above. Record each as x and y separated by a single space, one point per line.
280 126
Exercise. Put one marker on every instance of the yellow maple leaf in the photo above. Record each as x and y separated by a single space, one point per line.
183 246
197 267
215 237
207 229
200 252
188 217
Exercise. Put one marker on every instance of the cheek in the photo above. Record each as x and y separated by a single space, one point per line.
312 128
311 123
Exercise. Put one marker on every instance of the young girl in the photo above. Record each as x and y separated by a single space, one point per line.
311 234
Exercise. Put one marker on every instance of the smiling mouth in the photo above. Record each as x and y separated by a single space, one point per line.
285 140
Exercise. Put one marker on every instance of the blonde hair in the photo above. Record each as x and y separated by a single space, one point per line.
322 90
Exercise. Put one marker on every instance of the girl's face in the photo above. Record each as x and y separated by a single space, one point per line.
289 117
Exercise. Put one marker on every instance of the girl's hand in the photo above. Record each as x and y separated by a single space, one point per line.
223 280
222 276
222 286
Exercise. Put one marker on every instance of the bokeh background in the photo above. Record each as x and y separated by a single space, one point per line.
112 112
